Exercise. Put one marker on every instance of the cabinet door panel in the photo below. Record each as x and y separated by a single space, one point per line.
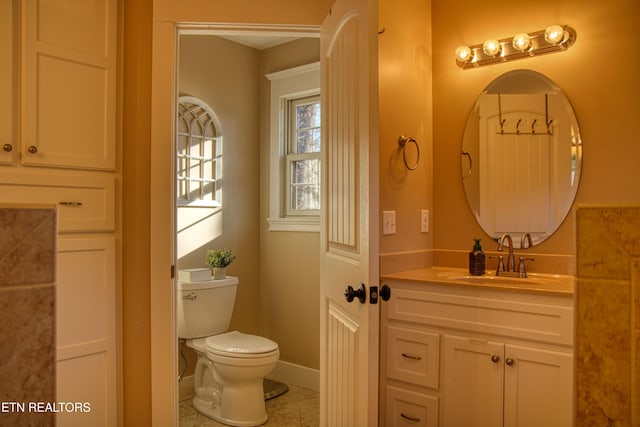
69 84
538 387
8 79
472 382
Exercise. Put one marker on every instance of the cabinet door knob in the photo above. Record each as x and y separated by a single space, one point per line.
495 358
7 147
32 149
509 361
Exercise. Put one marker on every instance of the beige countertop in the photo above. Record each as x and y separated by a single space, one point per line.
546 284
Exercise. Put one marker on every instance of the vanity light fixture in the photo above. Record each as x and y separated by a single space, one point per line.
555 38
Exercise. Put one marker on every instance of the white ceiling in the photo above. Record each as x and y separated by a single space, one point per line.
260 42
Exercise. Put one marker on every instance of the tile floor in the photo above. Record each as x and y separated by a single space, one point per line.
297 407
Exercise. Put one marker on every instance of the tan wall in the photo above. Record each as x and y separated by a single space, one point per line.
224 75
289 261
597 74
405 108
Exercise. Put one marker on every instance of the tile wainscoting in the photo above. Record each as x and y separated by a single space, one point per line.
608 316
27 313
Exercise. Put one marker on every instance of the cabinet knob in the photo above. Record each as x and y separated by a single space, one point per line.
32 149
495 358
509 361
7 147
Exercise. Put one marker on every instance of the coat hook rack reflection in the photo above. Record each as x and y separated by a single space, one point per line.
402 142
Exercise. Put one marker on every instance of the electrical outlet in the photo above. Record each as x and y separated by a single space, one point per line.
388 222
424 220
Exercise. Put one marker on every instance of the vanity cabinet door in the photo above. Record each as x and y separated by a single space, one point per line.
473 381
538 387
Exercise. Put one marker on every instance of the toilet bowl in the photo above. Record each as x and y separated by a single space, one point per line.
231 366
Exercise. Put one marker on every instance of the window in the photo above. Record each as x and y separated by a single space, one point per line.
295 149
303 156
199 154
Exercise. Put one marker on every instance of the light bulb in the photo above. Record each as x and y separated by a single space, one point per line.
521 41
463 53
491 47
554 34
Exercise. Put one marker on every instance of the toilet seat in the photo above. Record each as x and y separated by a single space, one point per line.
238 345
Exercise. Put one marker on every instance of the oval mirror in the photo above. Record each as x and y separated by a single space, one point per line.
521 157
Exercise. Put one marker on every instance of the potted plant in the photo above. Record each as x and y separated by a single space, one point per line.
219 260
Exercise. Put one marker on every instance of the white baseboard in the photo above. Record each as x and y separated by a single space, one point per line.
290 373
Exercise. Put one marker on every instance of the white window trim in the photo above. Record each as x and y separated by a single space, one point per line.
287 84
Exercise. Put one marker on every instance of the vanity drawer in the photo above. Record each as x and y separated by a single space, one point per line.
413 356
85 203
408 408
486 312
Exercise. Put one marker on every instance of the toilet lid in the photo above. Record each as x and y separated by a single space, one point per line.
239 343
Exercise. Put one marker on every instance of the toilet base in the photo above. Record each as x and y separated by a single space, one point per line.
212 411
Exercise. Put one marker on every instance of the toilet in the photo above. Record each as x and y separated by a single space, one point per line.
231 365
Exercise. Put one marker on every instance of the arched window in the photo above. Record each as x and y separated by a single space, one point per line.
199 154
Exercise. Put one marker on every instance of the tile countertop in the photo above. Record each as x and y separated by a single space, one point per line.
545 284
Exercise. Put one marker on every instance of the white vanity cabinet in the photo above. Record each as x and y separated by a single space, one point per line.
456 355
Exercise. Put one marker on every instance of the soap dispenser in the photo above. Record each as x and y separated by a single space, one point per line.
476 260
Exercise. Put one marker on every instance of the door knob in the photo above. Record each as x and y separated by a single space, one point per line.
32 149
495 358
360 293
509 361
385 293
7 147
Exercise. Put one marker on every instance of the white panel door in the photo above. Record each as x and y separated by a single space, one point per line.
86 330
349 225
69 83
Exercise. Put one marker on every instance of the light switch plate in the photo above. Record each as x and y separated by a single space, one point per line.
388 222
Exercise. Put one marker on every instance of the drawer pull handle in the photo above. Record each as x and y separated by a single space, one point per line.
71 204
411 356
410 418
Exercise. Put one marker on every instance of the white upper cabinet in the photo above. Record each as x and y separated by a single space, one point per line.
68 99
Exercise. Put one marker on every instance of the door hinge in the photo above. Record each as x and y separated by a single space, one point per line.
173 271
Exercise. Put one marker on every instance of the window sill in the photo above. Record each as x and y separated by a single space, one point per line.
311 224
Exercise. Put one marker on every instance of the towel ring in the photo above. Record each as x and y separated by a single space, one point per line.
403 141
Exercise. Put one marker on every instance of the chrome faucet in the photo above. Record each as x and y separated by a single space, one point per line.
511 259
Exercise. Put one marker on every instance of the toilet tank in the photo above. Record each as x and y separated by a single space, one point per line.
205 308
